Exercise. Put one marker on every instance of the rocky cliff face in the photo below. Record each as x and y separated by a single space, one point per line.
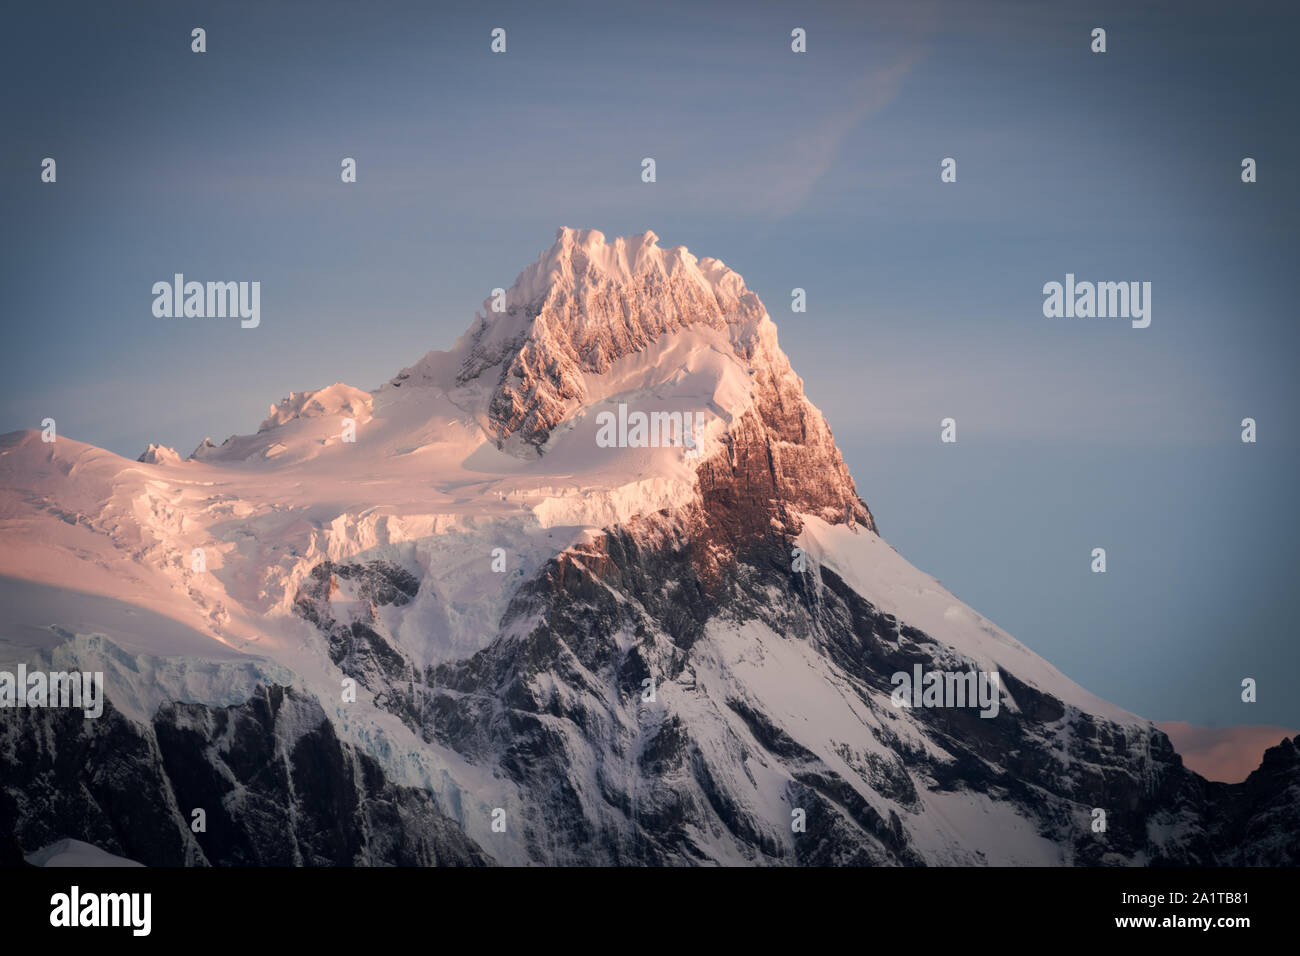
1259 818
276 786
704 771
780 460
585 304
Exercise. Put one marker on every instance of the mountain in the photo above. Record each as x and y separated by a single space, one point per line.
481 615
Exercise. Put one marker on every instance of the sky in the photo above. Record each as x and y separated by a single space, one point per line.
817 170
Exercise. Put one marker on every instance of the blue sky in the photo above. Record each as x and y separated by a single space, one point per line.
818 170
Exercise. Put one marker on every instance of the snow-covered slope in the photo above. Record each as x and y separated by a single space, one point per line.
75 853
504 588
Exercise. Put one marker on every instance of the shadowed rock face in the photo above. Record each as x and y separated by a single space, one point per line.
355 646
571 687
606 779
1261 815
277 786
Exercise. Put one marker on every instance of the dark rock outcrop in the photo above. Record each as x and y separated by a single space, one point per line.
276 785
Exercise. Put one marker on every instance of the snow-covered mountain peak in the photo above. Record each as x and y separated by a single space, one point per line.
565 301
583 305
159 455
581 260
336 399
297 427
501 585
610 325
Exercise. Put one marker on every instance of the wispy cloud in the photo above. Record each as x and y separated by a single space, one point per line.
796 172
